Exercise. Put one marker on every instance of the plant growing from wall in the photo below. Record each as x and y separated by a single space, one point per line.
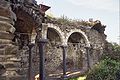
109 66
64 20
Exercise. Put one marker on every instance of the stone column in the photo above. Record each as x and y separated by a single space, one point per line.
30 72
88 57
64 61
41 44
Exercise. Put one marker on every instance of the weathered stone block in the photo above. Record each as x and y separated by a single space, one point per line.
6 35
4 26
2 78
7 20
4 41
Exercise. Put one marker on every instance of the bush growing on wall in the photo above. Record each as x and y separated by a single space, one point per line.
108 67
105 70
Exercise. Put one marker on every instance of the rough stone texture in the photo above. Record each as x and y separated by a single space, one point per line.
77 41
14 58
8 51
97 42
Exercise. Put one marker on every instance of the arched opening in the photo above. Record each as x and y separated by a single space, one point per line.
24 27
53 36
53 56
76 50
76 37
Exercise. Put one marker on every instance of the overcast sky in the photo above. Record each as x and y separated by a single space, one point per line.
107 11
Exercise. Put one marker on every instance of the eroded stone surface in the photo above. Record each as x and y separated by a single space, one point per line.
7 49
15 57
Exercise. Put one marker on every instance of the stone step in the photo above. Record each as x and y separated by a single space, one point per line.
4 26
49 78
6 35
20 77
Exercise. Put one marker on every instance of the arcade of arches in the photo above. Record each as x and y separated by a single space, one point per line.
21 24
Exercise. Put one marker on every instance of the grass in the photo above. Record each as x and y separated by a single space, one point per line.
82 78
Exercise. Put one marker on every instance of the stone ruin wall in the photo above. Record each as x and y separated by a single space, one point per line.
76 53
7 49
15 60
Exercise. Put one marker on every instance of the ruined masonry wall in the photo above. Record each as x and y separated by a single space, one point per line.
14 61
8 51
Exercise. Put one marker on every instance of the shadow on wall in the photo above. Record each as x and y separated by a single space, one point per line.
2 69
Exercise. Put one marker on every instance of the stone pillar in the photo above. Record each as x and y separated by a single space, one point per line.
88 57
64 61
41 44
30 72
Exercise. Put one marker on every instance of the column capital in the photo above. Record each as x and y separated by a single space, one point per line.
63 46
43 41
30 45
87 47
44 24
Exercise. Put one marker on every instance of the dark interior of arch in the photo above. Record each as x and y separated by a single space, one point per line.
76 38
53 36
53 56
75 54
24 26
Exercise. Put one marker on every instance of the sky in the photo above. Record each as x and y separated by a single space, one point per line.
107 11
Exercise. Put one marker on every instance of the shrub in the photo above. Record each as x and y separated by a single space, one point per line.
108 67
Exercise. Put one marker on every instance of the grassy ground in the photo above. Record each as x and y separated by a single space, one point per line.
82 78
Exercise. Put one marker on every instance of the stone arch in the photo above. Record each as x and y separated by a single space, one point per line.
53 54
54 27
77 31
77 41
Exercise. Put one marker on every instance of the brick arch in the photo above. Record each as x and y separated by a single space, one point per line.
54 27
78 31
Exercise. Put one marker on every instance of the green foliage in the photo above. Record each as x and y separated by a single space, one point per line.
107 68
113 53
63 20
115 47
